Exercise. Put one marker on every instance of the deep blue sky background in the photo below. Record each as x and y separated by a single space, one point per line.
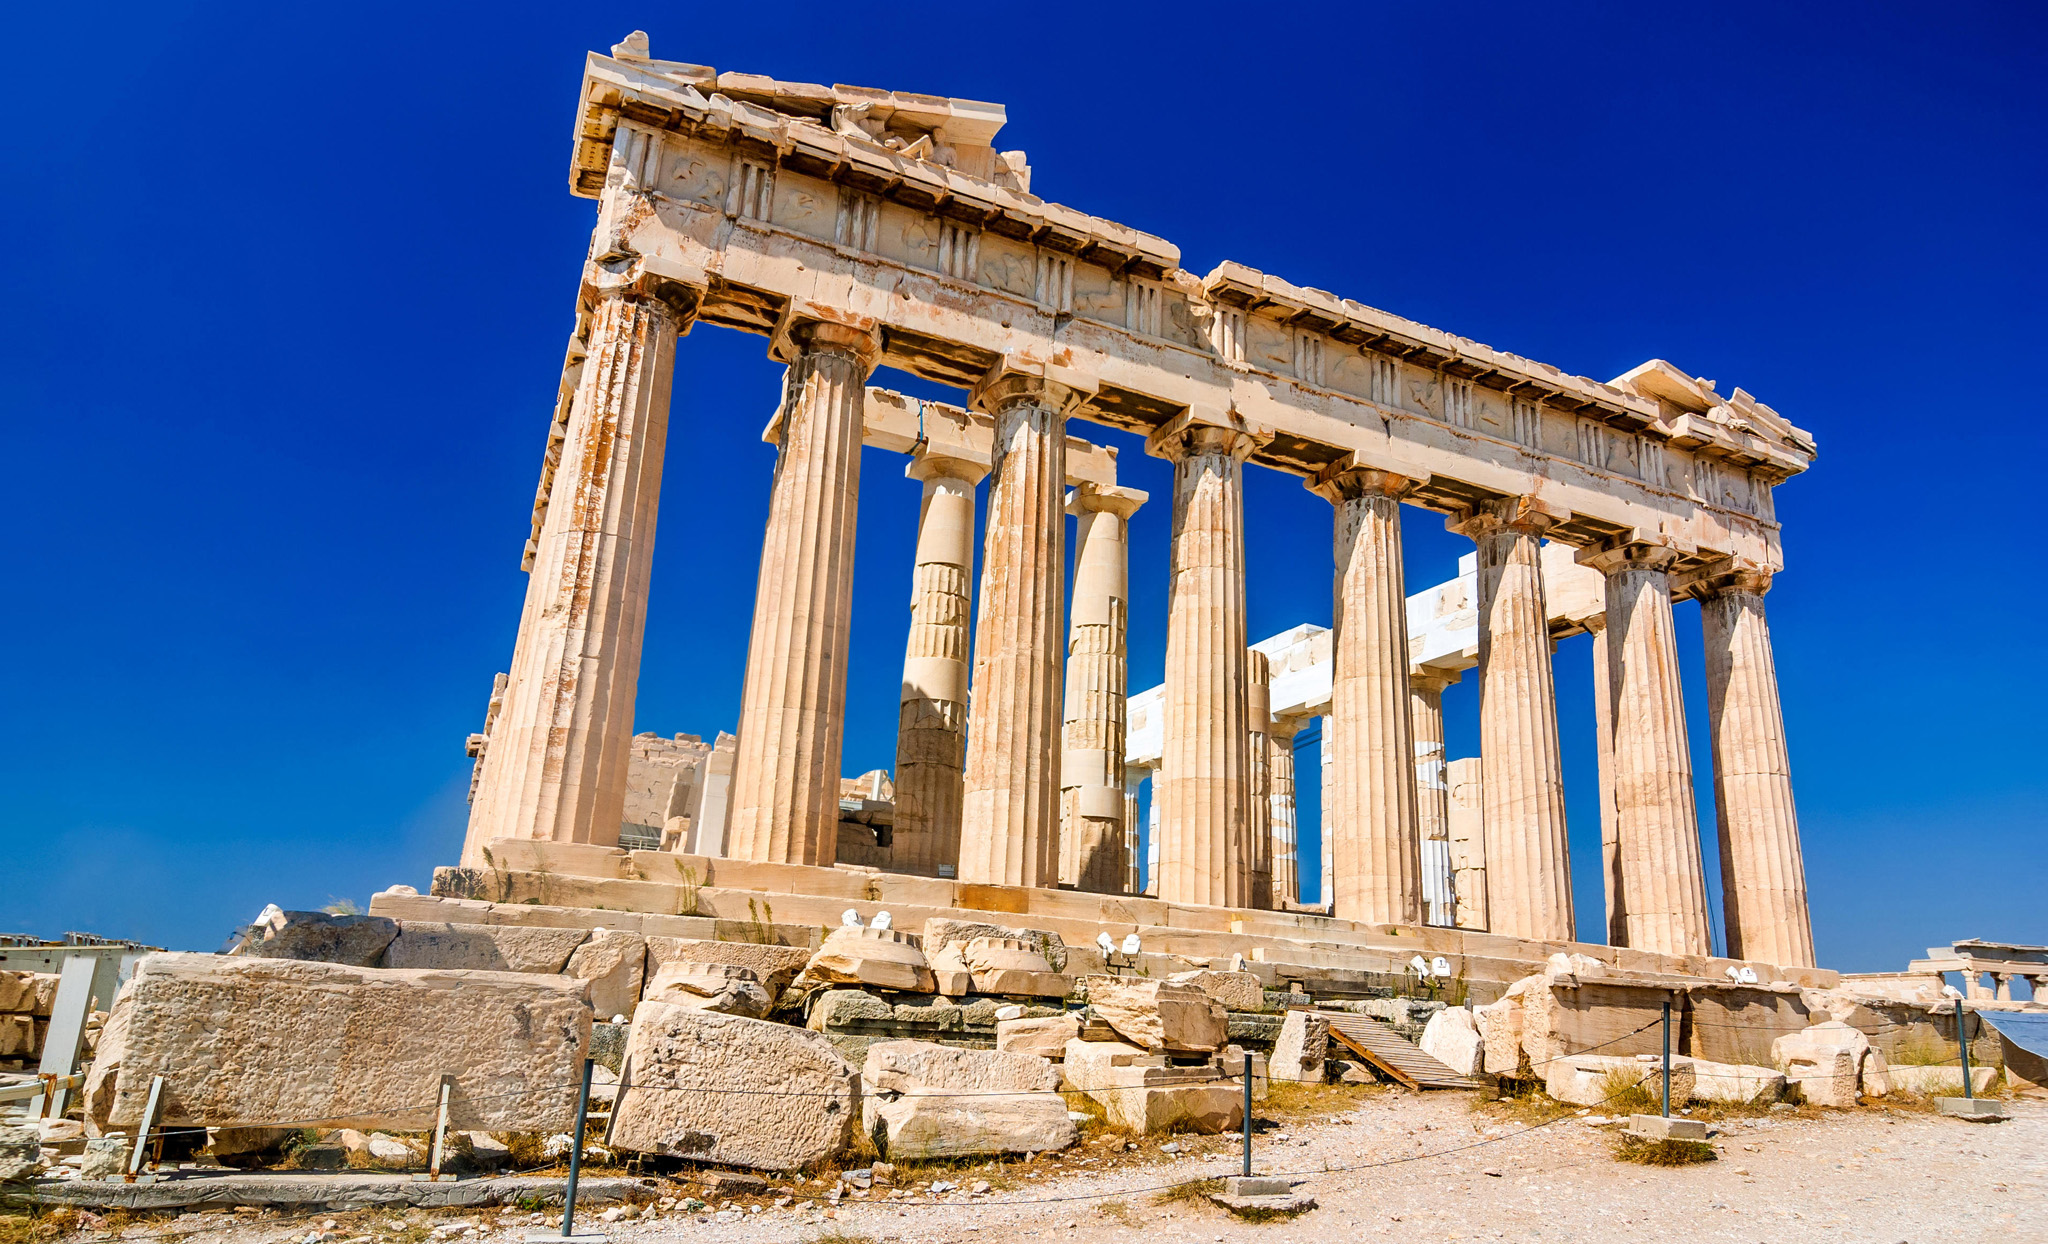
285 290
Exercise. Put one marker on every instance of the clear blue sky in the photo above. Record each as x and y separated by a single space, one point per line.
285 290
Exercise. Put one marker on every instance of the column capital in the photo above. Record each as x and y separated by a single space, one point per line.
806 326
1625 553
1285 728
927 464
1193 434
1724 577
1349 479
1432 679
1014 380
634 283
1531 515
1105 499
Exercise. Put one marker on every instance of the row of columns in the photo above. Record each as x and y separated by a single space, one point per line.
992 774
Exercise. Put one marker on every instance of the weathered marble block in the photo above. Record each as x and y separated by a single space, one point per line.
250 1042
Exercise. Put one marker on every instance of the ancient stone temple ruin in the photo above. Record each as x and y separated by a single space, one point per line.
855 228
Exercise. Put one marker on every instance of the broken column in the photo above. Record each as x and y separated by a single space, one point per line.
1092 838
1527 857
1378 848
1259 797
1205 854
785 782
1009 831
561 742
1465 820
1286 814
1663 897
931 725
1432 795
1763 875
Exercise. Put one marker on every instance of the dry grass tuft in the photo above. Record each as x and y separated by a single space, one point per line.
1192 1192
839 1235
1646 1152
1523 1102
1119 1212
1290 1102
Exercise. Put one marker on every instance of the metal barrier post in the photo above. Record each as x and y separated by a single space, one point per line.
1963 1044
1247 1114
1667 1060
576 1152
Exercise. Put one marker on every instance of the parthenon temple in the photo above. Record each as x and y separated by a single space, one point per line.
857 229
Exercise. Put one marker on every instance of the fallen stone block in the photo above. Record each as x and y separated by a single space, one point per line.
1452 1038
1737 1024
247 1042
883 958
1089 1064
1011 967
1874 1075
924 1101
247 1146
1500 1031
774 966
106 1157
1230 1062
1047 1038
1237 991
28 993
21 1153
941 931
439 946
615 964
1823 1062
1157 1015
356 940
1932 1081
951 977
1302 1049
1204 1109
1596 1079
17 1036
733 1091
725 987
1736 1082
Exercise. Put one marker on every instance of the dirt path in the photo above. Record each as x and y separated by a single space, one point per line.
1869 1175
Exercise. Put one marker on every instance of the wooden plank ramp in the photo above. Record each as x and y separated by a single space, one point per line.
1400 1058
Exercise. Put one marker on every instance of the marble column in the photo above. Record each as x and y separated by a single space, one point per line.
1152 839
1465 816
1286 814
1205 852
1092 854
931 721
1603 752
785 778
561 741
1379 844
1259 805
1009 830
1326 853
1528 861
1763 877
1432 792
1134 785
1663 896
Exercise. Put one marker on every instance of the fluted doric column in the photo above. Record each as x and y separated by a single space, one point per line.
1009 830
1092 853
1204 820
785 778
1432 791
1763 876
1466 817
1326 825
1378 850
1528 861
1663 895
1286 811
1603 750
1134 782
931 722
560 744
1259 783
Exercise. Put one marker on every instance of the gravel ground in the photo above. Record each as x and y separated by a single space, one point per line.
1870 1175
